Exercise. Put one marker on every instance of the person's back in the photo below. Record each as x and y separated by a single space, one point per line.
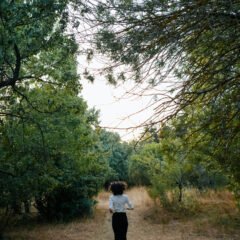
118 202
117 206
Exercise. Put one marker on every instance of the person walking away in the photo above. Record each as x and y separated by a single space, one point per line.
117 206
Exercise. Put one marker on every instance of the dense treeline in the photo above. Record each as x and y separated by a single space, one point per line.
172 165
44 154
50 150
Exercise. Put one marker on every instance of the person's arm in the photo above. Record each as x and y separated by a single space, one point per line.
129 203
111 209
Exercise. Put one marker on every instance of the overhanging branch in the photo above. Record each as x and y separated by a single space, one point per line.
12 80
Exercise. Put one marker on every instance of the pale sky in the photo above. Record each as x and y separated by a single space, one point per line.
116 109
122 107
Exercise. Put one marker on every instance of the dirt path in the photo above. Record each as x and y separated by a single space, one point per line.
142 228
139 227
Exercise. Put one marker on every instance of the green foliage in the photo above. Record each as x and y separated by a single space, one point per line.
197 42
146 162
169 167
138 172
49 148
51 155
211 137
34 45
68 201
117 154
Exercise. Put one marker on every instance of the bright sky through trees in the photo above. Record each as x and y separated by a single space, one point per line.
115 113
125 108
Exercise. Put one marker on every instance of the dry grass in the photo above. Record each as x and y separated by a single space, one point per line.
140 197
216 218
77 230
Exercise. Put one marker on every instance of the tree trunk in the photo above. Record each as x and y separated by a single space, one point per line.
16 207
26 206
180 192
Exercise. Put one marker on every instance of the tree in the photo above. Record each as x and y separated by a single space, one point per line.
175 164
187 51
51 157
36 30
197 41
117 155
48 145
211 134
146 162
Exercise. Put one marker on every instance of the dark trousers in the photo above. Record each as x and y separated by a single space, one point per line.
120 226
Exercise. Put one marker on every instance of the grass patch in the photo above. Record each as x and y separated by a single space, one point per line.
210 213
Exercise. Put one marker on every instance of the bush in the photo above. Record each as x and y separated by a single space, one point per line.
169 200
189 204
67 202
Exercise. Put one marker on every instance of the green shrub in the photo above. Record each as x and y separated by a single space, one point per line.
67 202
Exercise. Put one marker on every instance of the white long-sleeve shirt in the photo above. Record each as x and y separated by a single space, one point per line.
118 202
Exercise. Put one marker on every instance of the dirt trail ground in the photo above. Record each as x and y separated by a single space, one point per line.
141 225
142 228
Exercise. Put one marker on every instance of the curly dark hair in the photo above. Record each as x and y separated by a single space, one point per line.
118 187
